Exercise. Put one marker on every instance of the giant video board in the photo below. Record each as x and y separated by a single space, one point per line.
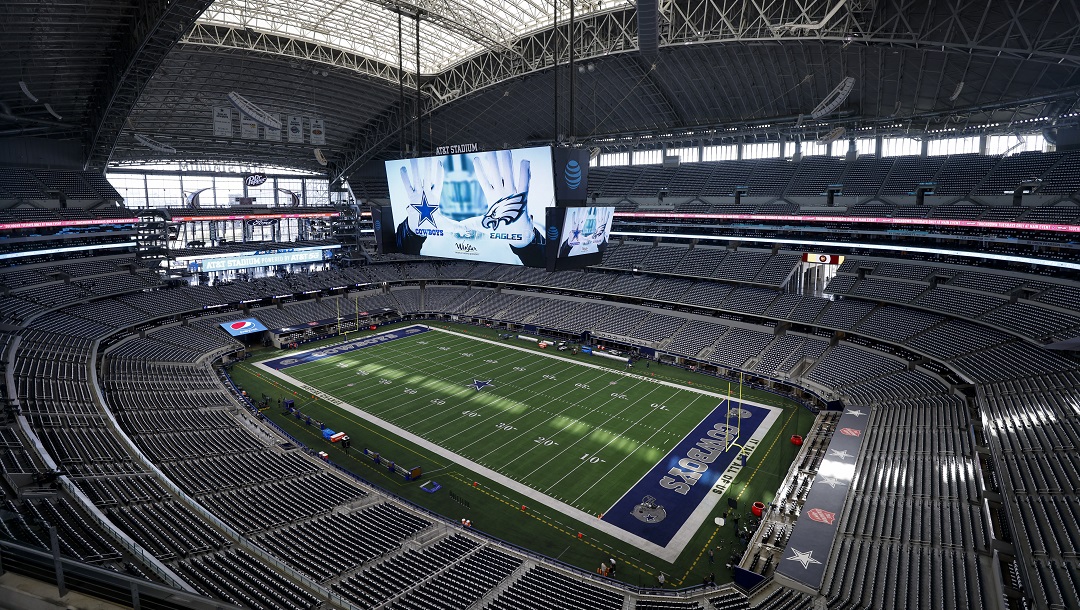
481 206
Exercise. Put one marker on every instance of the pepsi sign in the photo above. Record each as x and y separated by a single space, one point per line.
255 179
243 327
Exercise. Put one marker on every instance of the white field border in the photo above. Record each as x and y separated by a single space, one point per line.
667 553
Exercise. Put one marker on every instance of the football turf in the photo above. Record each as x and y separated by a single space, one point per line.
429 391
578 434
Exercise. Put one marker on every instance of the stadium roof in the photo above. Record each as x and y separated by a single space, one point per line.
450 31
111 69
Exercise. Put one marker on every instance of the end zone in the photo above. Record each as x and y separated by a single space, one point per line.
668 504
344 347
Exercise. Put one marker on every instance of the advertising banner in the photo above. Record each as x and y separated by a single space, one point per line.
296 129
243 327
223 122
318 132
249 128
271 134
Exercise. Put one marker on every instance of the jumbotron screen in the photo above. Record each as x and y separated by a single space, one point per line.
482 206
585 231
582 239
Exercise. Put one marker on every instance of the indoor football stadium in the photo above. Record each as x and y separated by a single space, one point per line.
599 305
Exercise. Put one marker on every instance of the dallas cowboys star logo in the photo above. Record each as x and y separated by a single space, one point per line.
855 412
831 481
843 455
805 558
426 210
480 385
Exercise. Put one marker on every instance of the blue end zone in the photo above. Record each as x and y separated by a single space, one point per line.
683 479
344 347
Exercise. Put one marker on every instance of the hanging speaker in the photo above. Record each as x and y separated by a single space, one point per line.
26 92
835 99
257 114
956 92
832 136
154 144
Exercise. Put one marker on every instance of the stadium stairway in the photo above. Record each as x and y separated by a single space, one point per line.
495 592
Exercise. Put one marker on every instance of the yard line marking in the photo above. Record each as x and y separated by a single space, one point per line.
574 469
568 447
613 468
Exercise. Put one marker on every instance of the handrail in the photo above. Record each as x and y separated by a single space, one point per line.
20 559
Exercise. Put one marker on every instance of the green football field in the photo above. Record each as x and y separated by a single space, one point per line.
578 434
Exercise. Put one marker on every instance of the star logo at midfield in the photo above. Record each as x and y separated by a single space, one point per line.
480 385
830 481
426 210
843 455
805 558
855 412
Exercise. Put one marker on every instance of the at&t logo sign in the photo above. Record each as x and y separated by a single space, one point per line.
572 175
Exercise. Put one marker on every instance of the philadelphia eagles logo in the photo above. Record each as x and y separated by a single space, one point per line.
506 210
649 511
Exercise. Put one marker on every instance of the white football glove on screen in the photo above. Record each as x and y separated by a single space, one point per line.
507 198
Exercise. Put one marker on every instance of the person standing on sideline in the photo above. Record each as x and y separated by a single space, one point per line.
710 556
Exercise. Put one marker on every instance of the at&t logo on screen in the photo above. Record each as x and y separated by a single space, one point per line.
572 174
